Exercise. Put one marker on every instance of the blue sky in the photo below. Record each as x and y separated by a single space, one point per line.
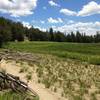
63 15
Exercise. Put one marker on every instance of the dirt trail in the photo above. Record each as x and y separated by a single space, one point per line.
43 93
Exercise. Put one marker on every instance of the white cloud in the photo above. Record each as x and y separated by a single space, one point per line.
42 29
58 20
52 3
68 12
26 24
90 9
42 22
89 28
18 8
70 22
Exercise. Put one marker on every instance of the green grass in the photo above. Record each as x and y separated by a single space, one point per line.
89 52
9 95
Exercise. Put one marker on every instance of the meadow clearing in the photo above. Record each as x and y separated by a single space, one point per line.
70 70
89 52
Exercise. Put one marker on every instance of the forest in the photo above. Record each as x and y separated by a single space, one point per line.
15 31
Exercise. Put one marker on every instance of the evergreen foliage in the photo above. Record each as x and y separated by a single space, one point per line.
15 31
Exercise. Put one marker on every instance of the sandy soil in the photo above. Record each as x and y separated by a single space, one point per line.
44 94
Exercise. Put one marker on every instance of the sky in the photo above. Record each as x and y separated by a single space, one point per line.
61 15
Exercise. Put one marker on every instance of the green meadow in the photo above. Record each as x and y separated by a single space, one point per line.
10 95
88 52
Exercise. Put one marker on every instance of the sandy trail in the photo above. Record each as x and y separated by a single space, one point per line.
43 93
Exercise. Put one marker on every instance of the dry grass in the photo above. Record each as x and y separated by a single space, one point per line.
76 79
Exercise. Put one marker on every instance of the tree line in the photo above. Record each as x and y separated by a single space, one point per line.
15 31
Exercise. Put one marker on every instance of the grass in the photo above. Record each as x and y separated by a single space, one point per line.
88 52
75 79
29 76
10 95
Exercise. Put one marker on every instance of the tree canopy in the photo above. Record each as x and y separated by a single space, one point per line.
15 31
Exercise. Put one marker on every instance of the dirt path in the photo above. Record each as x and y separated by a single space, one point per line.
43 93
